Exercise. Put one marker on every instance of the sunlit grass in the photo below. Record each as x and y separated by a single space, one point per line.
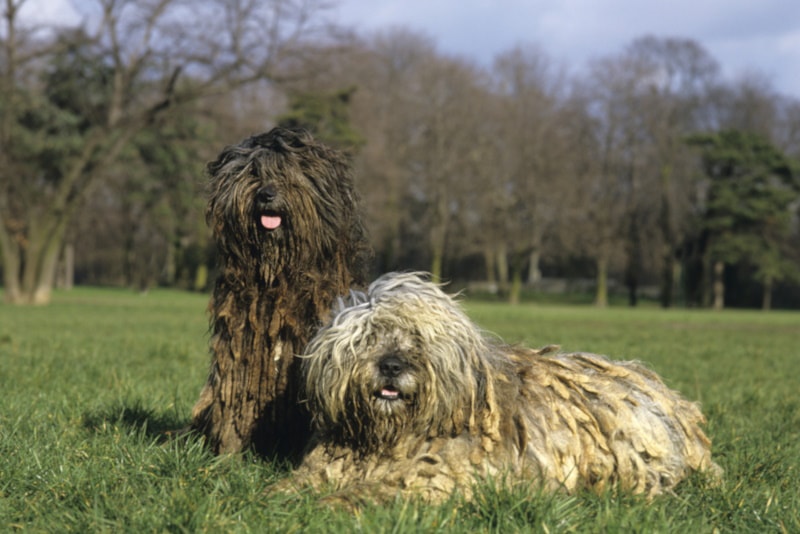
90 383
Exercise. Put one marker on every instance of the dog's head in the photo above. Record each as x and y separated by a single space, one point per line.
282 194
402 359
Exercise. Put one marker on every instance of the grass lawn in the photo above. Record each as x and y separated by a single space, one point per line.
90 383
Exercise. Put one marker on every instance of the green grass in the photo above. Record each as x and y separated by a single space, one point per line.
90 383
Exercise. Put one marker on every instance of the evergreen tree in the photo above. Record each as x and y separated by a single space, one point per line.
752 188
326 116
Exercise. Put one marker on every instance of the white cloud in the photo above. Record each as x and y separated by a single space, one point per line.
49 12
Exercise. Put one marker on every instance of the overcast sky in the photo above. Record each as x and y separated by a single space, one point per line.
742 35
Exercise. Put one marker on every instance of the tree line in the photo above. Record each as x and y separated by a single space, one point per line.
644 169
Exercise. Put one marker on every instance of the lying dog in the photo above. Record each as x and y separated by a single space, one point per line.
409 397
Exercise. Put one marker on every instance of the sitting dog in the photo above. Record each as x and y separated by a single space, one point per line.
287 224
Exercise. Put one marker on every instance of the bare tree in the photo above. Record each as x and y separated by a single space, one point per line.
139 63
445 150
532 182
607 137
387 70
417 110
644 102
788 126
675 80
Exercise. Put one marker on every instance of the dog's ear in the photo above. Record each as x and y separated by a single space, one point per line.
459 396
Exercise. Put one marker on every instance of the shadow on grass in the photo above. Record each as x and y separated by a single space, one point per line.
135 416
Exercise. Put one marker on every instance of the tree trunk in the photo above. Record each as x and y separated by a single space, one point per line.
65 277
516 287
706 279
489 259
517 265
667 285
634 261
766 299
601 295
32 269
12 293
665 293
170 270
11 256
36 278
678 289
633 290
501 253
46 277
200 278
534 273
436 265
438 236
719 285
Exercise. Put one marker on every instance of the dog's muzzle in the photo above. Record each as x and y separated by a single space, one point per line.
391 368
269 217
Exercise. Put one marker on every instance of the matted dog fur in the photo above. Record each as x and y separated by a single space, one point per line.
410 398
290 238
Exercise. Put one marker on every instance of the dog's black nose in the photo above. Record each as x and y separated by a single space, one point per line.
267 194
391 366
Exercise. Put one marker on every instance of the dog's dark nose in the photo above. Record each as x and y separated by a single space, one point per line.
266 194
391 366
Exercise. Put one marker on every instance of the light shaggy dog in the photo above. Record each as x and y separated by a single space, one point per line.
409 397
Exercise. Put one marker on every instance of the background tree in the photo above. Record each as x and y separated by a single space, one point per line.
676 78
500 173
531 184
610 179
752 189
141 62
326 116
387 70
442 152
165 164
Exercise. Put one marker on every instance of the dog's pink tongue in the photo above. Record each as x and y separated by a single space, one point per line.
387 393
270 222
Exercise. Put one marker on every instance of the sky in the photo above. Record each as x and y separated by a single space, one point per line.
744 36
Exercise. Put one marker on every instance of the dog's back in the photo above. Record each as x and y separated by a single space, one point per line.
592 422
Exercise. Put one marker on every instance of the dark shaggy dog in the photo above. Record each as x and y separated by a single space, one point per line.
410 398
290 239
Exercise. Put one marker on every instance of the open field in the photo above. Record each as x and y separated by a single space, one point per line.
90 383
